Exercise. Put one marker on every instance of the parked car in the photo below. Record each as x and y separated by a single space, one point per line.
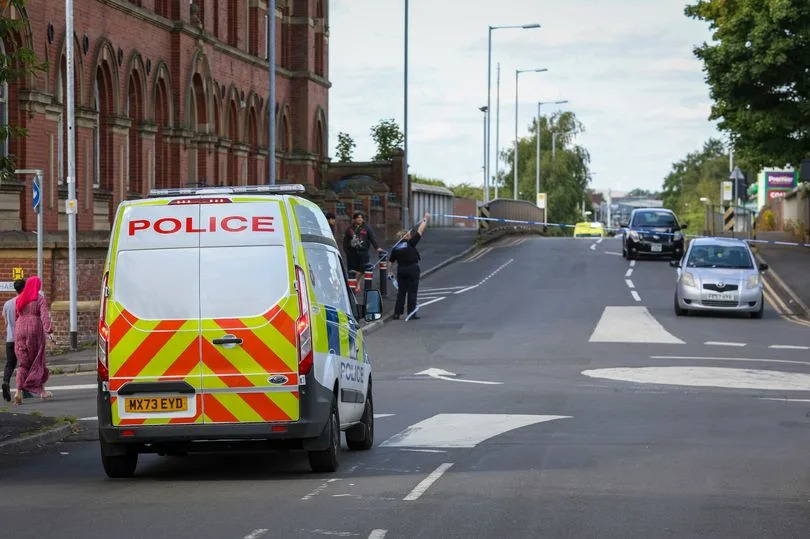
589 230
652 232
719 274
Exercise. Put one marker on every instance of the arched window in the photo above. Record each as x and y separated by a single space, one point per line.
253 142
3 109
233 134
198 167
103 173
161 145
134 110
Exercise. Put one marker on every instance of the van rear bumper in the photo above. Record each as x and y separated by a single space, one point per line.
315 402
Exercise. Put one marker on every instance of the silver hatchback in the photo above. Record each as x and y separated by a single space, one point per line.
719 274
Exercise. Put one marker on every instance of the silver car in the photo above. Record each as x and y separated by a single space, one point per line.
719 274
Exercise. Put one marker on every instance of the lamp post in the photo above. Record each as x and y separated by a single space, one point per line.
489 89
537 166
271 106
405 198
484 167
517 78
71 204
497 126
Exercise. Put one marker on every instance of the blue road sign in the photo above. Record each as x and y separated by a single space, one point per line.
36 197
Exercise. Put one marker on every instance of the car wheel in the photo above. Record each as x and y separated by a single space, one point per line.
761 311
118 466
327 460
678 310
361 436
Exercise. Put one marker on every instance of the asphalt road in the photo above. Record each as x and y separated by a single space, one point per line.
560 396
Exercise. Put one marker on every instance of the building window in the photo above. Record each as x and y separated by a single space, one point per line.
162 8
233 23
96 139
376 201
358 204
340 208
319 54
3 109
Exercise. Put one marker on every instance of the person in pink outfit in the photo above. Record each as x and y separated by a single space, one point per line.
32 324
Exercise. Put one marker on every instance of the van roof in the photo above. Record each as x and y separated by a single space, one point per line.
281 189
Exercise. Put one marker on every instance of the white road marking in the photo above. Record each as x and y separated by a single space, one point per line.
423 485
91 418
255 534
631 324
462 430
723 343
479 254
635 295
720 377
319 531
465 289
377 534
434 300
443 289
629 283
629 273
320 488
632 263
380 416
744 359
600 240
614 253
788 347
441 374
783 400
73 387
424 450
593 246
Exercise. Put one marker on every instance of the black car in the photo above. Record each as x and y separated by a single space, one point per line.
652 232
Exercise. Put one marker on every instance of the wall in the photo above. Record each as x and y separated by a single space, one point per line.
438 201
465 206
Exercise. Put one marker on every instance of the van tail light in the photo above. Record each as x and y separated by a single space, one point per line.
303 326
103 352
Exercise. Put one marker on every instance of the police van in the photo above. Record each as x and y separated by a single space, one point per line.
226 321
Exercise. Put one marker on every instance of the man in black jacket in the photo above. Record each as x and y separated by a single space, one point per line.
407 258
356 242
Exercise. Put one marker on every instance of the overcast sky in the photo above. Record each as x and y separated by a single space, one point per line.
626 67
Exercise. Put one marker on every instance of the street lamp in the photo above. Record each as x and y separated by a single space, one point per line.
485 109
517 76
489 88
405 198
537 167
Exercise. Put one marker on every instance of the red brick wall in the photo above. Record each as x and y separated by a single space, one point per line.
465 206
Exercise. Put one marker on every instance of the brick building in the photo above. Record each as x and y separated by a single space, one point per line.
167 92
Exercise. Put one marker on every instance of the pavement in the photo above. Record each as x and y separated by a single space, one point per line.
440 246
789 271
549 390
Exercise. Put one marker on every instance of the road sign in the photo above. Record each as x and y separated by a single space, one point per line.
36 198
541 201
17 273
736 175
727 192
7 286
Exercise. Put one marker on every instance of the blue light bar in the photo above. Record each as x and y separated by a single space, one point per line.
282 189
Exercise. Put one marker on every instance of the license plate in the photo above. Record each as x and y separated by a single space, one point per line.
721 297
655 248
136 405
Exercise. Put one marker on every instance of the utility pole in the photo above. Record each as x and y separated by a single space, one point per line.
71 205
271 105
497 127
405 198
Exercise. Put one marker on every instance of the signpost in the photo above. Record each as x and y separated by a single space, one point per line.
36 200
727 192
542 202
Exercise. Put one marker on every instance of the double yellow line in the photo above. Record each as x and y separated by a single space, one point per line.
780 306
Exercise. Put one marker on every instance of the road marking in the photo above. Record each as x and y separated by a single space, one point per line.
465 289
775 301
442 288
319 489
91 418
479 254
600 240
377 534
73 387
425 484
632 263
429 302
748 359
783 400
788 347
441 374
380 416
255 534
720 377
629 283
635 295
629 273
631 324
614 253
424 450
723 343
593 246
449 431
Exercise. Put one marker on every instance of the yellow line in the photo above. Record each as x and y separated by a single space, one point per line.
774 300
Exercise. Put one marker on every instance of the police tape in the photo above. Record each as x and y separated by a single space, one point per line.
615 229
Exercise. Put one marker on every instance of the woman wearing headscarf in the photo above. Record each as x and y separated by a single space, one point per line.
32 323
405 255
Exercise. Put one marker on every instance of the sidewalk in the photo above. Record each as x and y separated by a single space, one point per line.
439 247
789 268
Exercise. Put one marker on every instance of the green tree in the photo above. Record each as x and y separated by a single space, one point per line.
564 177
756 71
16 63
388 137
428 181
345 147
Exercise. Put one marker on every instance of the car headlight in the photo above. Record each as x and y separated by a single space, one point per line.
753 281
689 280
634 235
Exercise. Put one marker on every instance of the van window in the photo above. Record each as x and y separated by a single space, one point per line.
312 221
242 281
158 284
327 277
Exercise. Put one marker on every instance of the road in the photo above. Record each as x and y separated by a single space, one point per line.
559 396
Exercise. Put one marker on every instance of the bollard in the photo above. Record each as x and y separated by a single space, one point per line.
353 283
383 278
368 278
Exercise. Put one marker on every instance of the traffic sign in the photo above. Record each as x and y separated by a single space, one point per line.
736 175
36 198
17 273
727 192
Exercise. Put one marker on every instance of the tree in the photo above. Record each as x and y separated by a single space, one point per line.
428 181
387 135
756 71
638 192
15 64
345 147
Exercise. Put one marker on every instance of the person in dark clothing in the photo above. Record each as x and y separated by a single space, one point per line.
356 242
11 357
407 259
332 220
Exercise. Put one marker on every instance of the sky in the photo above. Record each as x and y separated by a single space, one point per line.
625 66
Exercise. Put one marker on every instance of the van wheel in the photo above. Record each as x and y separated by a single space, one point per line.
327 460
361 436
118 466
